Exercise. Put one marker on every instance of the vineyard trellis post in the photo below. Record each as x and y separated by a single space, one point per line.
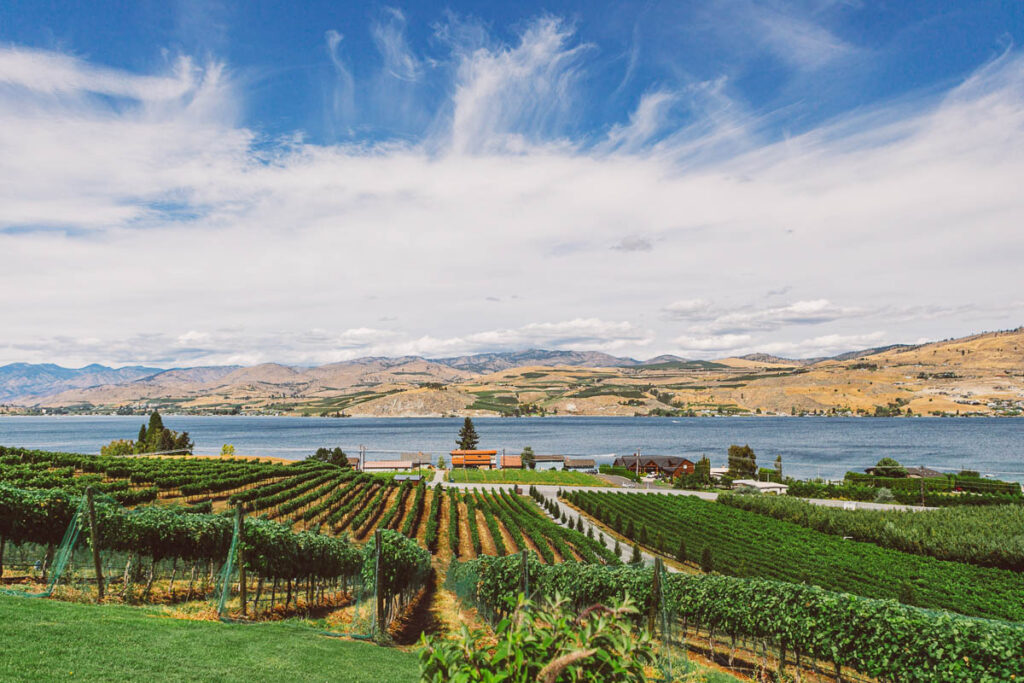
526 573
94 537
652 611
378 622
240 521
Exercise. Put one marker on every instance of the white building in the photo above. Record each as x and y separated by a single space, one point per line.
762 486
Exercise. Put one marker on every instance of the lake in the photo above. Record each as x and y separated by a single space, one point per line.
809 446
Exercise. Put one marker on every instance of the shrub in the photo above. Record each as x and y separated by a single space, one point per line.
546 643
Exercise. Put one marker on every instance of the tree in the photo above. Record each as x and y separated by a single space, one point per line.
889 467
707 563
468 438
118 447
742 462
158 439
528 458
778 467
334 456
681 553
227 450
702 470
636 558
440 462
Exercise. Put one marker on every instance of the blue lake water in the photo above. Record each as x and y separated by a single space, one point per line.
809 447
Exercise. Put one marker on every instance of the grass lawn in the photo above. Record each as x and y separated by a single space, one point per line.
48 640
512 476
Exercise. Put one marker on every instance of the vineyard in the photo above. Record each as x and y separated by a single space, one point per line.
800 623
746 544
269 541
988 536
165 531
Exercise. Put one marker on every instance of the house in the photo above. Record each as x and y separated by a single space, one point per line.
511 462
387 466
762 486
585 464
656 465
548 462
414 478
912 472
719 472
417 460
481 460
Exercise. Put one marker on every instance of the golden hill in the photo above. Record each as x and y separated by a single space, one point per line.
981 374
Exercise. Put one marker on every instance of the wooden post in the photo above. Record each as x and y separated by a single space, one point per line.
378 593
652 612
241 558
94 535
526 575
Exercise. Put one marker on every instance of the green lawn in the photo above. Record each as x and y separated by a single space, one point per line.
45 640
512 476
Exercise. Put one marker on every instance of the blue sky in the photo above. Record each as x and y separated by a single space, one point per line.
324 180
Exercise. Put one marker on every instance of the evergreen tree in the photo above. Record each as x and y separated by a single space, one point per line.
636 558
630 530
742 462
702 470
618 549
707 563
468 438
681 553
528 458
644 539
142 435
778 467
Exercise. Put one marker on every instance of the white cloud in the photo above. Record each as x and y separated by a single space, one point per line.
647 121
161 229
811 312
508 97
389 36
718 343
54 73
798 41
688 309
824 345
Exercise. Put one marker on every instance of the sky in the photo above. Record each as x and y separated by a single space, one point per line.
197 183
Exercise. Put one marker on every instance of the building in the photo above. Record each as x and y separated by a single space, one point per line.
388 466
417 460
414 478
762 486
548 462
656 465
511 462
584 464
481 460
912 472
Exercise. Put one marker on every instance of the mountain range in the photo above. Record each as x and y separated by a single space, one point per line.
980 374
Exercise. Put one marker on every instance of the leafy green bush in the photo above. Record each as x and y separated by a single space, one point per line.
547 643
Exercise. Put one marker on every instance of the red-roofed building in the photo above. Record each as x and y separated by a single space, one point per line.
482 460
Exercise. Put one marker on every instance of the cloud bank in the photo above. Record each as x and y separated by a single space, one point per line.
141 222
